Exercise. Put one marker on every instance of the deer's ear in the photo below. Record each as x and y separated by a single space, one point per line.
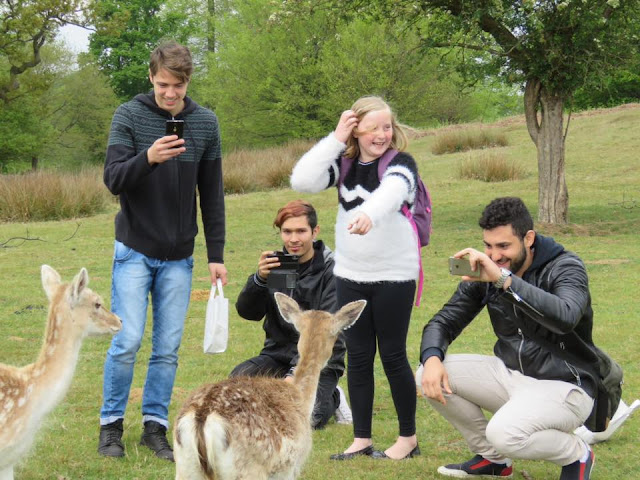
349 314
50 280
288 307
80 282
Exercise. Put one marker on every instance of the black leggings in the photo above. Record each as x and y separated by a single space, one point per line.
385 319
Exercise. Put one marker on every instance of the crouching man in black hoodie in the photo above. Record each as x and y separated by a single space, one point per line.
313 289
538 300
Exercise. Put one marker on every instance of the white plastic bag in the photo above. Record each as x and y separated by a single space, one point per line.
216 327
623 412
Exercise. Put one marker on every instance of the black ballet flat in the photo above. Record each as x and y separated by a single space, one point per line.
367 451
381 455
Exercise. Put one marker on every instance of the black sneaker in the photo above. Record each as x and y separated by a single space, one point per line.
110 443
579 470
477 467
155 437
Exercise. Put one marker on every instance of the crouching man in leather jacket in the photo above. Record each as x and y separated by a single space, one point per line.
314 290
533 289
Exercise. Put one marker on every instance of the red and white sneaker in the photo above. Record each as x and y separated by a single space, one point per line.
478 466
579 470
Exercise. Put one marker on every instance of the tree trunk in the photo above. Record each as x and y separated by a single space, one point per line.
211 26
544 114
34 163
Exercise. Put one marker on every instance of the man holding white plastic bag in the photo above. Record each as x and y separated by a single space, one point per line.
304 271
156 170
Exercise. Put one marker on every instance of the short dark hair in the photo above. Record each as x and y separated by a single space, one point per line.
507 211
174 58
296 208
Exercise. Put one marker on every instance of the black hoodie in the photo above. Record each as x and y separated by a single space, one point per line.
552 297
158 203
315 290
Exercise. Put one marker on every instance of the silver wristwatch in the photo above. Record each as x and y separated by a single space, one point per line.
503 278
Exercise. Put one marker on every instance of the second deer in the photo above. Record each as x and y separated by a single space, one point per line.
259 428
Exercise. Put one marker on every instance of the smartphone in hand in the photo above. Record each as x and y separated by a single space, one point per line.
175 127
461 266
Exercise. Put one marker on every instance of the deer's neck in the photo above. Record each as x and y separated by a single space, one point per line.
306 378
51 374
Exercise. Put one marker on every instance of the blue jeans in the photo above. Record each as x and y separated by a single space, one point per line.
135 276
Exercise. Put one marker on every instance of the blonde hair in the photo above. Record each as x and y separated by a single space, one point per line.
371 103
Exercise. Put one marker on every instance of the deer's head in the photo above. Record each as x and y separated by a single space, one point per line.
318 329
85 307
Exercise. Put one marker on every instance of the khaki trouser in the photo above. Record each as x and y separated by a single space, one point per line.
533 419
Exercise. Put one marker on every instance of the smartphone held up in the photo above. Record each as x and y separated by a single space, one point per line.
462 267
175 127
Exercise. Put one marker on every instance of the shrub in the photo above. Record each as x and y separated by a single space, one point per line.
463 140
490 167
52 195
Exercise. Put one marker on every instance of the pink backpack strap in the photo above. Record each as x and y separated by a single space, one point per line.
407 213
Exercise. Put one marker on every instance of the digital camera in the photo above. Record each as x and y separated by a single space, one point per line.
285 276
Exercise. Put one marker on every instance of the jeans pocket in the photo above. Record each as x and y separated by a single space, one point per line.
122 253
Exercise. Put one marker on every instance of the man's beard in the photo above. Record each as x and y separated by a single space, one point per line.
516 263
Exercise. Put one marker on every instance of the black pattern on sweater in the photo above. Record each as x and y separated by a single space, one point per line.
365 175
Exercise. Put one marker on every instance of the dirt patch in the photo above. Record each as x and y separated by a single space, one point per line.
199 295
135 396
608 261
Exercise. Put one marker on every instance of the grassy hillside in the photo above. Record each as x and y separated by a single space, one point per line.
603 176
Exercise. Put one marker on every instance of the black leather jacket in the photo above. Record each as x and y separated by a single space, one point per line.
552 300
315 290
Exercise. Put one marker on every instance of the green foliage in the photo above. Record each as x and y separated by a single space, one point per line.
21 131
276 77
126 33
621 86
559 43
25 27
81 116
24 123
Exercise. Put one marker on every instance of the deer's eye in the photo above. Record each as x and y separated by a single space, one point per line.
97 306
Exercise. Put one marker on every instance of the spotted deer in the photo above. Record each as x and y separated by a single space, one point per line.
28 393
258 427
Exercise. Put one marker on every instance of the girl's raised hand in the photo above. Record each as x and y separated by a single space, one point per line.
348 121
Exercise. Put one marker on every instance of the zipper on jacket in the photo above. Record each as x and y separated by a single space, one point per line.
572 369
520 350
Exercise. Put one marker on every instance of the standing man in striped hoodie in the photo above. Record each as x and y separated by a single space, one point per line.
156 176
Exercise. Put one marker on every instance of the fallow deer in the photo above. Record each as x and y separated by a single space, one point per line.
28 393
257 427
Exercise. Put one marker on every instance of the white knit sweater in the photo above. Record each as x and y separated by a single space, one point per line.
388 252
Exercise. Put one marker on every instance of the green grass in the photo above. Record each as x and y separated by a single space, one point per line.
603 175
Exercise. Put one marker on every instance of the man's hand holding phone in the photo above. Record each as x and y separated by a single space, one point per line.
169 146
473 266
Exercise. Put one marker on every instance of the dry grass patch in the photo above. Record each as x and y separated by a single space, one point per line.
52 196
490 167
254 170
463 140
